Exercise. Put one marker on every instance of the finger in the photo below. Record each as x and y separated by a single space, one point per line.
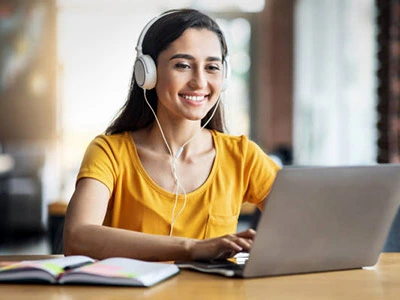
226 254
248 234
238 244
231 244
245 244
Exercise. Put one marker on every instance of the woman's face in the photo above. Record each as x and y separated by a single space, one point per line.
189 75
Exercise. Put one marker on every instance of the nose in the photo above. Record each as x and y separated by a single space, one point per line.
199 79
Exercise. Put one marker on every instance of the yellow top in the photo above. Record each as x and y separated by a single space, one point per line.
241 172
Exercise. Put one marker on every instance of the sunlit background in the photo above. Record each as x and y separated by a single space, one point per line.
66 67
96 52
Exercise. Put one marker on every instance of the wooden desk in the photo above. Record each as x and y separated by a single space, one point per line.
379 282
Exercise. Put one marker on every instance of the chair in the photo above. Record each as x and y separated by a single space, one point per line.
6 167
393 240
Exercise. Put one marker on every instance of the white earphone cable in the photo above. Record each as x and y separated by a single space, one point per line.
175 157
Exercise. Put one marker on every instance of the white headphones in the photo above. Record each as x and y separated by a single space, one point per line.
145 69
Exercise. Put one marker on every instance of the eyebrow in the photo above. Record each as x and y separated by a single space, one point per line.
190 57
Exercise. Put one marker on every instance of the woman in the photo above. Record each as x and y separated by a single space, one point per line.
164 182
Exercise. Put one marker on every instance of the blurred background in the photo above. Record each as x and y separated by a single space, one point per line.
314 82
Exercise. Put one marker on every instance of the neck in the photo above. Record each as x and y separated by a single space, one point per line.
179 137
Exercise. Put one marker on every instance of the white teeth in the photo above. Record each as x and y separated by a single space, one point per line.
193 98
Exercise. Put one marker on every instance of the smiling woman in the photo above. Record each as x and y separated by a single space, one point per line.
165 182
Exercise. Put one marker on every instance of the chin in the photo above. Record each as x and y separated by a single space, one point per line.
195 119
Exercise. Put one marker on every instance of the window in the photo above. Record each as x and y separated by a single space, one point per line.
334 103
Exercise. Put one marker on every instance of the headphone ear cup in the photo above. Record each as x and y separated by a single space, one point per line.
226 74
145 72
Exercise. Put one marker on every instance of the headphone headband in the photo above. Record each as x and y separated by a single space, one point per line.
145 29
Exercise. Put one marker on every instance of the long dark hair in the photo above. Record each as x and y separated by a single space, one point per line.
135 114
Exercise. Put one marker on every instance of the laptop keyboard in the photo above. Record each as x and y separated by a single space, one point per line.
218 264
241 258
235 263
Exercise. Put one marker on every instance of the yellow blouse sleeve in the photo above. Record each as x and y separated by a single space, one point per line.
99 163
259 173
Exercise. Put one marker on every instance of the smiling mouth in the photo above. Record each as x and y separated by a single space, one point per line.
193 98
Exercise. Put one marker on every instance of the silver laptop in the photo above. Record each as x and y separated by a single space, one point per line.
319 219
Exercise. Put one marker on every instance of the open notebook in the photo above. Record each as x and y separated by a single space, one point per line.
78 269
319 219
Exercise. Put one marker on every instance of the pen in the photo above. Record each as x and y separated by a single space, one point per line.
81 264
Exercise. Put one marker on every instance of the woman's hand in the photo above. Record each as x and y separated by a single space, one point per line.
222 247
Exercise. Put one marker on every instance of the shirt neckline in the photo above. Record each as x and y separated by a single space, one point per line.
139 166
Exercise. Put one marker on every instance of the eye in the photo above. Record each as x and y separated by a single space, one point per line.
213 68
182 66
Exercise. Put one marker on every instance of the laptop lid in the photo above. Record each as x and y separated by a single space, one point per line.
325 218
